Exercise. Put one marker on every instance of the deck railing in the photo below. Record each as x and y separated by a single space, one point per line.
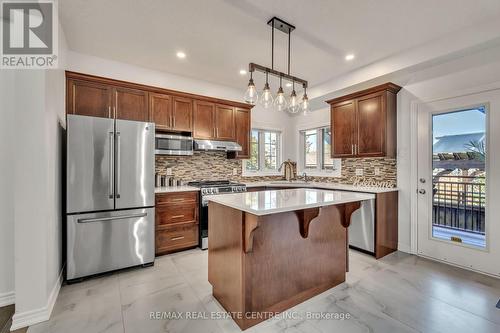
459 202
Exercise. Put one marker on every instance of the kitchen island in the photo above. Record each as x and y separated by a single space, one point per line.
270 250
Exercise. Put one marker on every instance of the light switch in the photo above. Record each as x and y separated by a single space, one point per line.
359 172
169 171
235 171
377 171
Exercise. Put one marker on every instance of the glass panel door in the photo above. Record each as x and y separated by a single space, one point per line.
459 176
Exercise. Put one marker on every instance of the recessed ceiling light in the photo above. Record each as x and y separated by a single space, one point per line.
243 72
349 57
181 55
288 84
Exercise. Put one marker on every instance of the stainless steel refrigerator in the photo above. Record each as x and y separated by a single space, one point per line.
109 195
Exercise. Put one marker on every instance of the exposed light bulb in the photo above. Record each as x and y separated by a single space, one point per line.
266 98
304 106
294 102
251 92
280 102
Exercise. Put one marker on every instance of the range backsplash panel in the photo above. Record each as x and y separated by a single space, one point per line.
215 166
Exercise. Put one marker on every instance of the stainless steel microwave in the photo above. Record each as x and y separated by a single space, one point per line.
171 144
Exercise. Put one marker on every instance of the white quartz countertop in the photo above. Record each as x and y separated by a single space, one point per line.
326 186
286 200
170 189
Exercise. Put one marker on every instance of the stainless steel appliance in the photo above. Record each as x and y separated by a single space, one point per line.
110 195
173 144
212 188
216 145
362 227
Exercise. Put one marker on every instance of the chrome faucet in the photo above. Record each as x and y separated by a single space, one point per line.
305 177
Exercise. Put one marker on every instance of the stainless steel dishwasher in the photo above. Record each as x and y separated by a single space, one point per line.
362 228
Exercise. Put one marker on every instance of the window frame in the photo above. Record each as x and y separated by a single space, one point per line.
320 169
261 171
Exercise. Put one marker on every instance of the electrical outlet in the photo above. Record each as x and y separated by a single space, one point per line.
169 171
235 171
377 171
359 172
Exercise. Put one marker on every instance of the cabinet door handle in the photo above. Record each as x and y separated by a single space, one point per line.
178 199
111 164
109 111
177 216
356 149
352 149
177 238
173 123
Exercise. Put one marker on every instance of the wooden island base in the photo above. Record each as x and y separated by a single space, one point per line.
262 265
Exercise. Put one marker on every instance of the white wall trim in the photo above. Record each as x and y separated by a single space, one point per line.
31 317
7 298
413 176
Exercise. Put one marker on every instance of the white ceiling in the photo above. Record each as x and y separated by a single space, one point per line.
220 37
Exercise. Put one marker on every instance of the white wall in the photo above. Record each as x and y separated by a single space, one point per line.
6 188
40 113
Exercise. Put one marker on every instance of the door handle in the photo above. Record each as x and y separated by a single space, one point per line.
177 216
422 191
422 180
177 238
111 158
118 164
111 218
352 149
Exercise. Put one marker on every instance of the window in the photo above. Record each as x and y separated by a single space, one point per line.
317 148
265 151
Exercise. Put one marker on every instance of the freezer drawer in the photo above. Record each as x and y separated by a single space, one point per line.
101 242
362 227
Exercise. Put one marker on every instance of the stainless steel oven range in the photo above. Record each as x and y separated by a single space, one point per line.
208 188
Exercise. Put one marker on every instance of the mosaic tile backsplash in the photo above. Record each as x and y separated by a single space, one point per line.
215 166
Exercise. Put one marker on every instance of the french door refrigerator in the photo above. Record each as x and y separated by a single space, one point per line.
109 195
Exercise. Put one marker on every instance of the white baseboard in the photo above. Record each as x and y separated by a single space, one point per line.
7 298
404 248
27 318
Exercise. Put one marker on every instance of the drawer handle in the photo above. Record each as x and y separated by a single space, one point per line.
178 199
177 216
177 238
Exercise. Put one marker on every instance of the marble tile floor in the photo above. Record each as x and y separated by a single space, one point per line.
399 293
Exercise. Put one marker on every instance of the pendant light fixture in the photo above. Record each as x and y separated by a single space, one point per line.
251 93
266 99
304 105
294 101
280 102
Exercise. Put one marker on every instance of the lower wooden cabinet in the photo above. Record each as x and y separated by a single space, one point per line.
176 237
176 221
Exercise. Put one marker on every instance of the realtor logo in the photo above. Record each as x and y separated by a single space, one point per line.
29 34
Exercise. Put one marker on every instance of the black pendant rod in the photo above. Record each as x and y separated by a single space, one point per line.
272 47
289 39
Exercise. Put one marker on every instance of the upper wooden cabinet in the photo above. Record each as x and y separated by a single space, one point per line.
204 120
224 122
242 125
182 114
205 117
364 123
160 110
99 99
131 104
171 112
89 98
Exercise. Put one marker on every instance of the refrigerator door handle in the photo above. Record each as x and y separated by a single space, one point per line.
111 159
111 218
118 164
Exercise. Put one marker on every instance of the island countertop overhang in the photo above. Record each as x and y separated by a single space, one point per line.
278 201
